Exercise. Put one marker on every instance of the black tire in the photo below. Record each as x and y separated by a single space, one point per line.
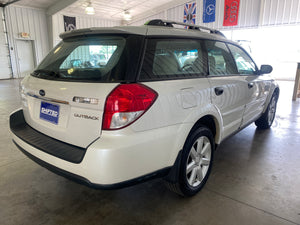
201 165
267 118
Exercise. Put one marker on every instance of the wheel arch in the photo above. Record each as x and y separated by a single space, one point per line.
212 123
276 90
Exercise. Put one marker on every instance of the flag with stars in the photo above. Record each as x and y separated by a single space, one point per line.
189 15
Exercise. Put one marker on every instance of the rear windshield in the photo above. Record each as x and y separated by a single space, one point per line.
96 58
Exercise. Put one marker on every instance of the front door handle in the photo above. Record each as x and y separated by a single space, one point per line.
219 90
250 85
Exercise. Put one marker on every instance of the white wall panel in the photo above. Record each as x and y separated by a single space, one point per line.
252 13
32 21
81 22
279 12
249 14
5 71
160 15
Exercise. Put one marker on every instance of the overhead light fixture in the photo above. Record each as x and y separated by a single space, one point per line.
90 9
127 15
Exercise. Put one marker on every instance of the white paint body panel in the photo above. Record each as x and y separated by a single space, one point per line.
154 140
70 129
149 144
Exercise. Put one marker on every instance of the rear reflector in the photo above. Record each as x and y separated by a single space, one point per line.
125 104
93 101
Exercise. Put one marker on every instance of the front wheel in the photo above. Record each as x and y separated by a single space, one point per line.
267 118
196 163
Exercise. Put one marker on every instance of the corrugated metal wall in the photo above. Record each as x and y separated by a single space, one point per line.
253 13
81 22
5 71
32 21
277 12
160 15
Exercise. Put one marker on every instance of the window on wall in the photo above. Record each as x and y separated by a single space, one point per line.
173 58
220 60
244 63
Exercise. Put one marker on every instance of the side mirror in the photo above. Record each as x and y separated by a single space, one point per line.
265 69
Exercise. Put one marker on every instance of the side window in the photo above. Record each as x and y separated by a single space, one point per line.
167 59
244 63
220 61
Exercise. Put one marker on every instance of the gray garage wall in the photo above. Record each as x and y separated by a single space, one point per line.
5 71
32 21
253 13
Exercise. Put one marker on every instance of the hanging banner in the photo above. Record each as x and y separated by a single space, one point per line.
209 11
69 23
189 15
231 12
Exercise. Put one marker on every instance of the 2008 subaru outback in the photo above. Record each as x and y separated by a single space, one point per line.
158 106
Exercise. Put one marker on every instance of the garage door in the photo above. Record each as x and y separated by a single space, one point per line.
5 71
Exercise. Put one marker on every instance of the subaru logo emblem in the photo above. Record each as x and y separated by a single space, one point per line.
42 92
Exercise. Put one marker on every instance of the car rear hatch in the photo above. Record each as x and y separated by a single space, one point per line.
64 97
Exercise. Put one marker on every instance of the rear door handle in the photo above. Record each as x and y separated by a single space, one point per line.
250 85
219 90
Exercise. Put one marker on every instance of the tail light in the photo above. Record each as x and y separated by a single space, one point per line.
125 104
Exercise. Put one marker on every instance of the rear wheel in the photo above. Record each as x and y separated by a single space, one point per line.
196 162
267 118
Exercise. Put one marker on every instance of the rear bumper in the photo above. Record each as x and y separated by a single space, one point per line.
42 142
84 181
113 161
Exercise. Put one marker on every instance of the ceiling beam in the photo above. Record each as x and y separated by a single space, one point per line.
58 6
158 9
8 3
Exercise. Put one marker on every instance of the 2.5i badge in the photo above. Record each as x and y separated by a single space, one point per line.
49 112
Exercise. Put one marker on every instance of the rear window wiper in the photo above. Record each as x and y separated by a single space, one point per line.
47 72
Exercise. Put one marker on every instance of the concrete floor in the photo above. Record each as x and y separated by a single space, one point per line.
255 180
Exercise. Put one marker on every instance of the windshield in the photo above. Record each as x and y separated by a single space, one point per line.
96 58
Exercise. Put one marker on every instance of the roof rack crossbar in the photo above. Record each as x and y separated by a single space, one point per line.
169 23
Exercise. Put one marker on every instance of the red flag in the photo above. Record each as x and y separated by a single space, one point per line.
231 12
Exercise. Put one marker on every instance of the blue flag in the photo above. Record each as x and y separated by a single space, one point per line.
209 11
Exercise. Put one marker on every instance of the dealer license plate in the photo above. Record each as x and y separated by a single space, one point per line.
49 112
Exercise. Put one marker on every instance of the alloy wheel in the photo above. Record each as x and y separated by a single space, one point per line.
198 161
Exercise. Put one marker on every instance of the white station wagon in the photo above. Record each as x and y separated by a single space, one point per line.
158 106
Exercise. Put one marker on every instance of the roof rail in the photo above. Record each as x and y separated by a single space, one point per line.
169 23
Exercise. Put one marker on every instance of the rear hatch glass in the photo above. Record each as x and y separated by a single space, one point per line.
101 58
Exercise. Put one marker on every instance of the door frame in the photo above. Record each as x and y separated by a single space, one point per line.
17 54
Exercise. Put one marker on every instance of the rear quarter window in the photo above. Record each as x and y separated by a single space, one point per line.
171 59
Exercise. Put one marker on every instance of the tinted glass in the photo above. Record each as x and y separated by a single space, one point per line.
96 58
167 59
220 60
89 56
244 63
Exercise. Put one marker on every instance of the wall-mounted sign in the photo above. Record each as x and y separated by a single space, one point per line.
209 11
24 35
69 23
189 13
231 12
